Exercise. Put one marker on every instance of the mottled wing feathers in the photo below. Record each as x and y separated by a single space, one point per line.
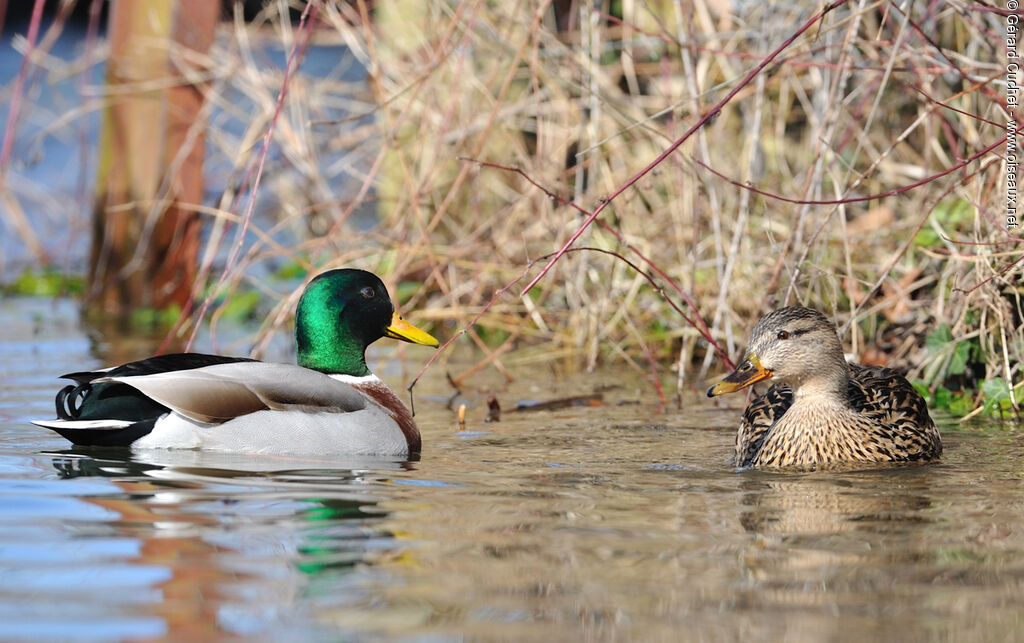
896 410
760 416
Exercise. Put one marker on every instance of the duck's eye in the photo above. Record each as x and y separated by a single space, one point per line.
783 334
746 366
368 293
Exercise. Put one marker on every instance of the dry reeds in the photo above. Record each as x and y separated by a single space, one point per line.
848 157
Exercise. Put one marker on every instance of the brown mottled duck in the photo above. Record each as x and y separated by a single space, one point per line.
820 409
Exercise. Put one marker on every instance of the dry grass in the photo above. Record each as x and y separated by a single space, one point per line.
483 121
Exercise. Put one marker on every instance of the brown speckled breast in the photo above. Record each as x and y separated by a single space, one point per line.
884 420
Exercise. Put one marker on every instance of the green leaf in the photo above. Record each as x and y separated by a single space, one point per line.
958 361
996 391
242 305
953 212
491 336
46 283
938 339
406 289
996 388
922 388
290 270
960 404
926 238
938 343
152 318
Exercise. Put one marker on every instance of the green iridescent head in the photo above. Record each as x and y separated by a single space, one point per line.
343 311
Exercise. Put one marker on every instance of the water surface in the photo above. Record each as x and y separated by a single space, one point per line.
614 522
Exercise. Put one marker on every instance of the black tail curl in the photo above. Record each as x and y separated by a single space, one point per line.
69 401
93 396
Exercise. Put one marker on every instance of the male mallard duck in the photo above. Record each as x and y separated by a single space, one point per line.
822 410
330 404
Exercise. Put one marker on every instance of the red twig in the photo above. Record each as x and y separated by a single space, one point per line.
788 62
998 273
298 48
501 291
984 9
902 251
19 88
855 199
84 149
709 115
696 322
940 103
952 63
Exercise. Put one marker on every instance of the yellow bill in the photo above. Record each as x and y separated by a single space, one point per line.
403 330
747 373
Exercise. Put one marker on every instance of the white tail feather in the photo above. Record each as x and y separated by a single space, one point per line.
110 425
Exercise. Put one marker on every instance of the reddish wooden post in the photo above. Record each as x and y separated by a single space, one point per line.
145 227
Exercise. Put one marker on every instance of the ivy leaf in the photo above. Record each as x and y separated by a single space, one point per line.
996 390
958 361
938 342
938 339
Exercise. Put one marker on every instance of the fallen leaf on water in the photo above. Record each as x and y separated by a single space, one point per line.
595 399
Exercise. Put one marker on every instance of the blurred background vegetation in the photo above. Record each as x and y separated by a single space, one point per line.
452 146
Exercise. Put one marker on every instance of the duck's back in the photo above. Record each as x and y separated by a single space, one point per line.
903 429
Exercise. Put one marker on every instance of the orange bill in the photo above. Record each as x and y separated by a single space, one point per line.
747 373
403 330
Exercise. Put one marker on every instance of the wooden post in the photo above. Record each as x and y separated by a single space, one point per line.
145 242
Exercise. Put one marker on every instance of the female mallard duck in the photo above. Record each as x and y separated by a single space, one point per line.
330 404
822 410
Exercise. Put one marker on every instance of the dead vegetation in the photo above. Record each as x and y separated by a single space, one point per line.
849 157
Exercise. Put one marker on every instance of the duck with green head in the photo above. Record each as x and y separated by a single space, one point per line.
329 404
822 411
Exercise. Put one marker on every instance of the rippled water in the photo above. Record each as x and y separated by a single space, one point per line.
592 523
